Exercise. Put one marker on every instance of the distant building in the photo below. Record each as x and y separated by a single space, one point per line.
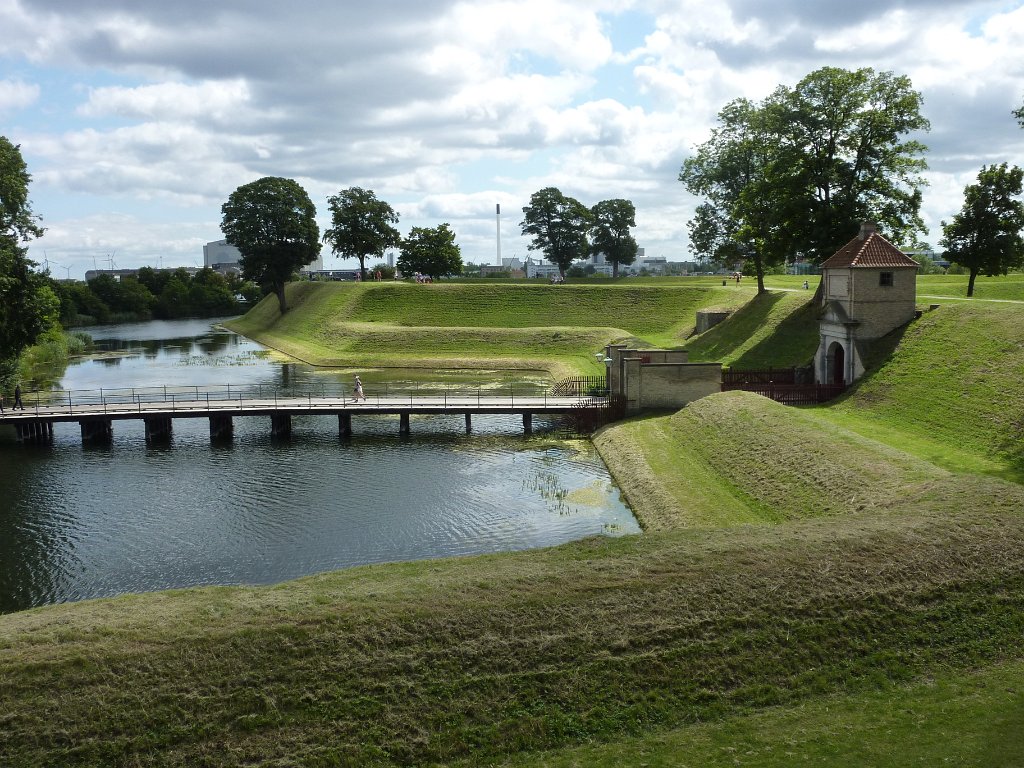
869 288
541 268
220 256
117 274
224 258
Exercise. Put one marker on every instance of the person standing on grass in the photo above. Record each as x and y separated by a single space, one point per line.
359 390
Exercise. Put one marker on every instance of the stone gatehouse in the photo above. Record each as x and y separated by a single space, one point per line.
868 289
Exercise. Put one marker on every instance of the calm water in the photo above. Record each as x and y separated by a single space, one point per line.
80 522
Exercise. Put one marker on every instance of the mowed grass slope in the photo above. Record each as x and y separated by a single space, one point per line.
777 329
480 658
954 377
462 325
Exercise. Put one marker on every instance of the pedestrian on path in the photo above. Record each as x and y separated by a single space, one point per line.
17 398
359 390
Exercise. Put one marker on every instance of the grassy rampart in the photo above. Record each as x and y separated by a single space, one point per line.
555 328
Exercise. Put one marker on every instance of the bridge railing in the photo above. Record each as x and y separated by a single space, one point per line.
256 395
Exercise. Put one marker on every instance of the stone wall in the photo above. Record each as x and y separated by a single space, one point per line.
659 379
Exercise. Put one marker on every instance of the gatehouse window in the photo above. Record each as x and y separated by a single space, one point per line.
885 279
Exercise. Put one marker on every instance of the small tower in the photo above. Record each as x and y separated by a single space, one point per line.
869 288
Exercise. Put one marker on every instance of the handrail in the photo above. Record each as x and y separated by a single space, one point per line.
203 399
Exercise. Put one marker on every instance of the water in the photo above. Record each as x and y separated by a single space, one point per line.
81 522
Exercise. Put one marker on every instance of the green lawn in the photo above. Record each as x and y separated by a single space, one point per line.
964 720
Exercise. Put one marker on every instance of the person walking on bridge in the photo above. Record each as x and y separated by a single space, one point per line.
359 390
17 398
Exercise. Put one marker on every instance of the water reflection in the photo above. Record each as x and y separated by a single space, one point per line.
87 522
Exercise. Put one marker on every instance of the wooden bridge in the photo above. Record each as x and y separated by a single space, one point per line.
158 407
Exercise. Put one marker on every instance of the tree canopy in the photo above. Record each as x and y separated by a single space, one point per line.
794 174
361 226
558 225
430 251
611 221
27 303
272 222
985 236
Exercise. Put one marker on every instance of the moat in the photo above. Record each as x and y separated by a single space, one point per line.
79 522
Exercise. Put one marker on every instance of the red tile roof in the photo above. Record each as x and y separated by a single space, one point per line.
870 251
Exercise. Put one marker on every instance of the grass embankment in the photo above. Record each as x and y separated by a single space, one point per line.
492 326
488 656
867 570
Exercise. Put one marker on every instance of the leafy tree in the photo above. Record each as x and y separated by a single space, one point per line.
174 300
210 294
154 280
272 222
558 225
1019 114
28 305
430 251
361 226
985 236
736 169
796 173
609 233
854 160
126 296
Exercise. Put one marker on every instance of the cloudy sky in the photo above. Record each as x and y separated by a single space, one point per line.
137 118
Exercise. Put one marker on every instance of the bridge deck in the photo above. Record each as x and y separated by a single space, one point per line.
249 406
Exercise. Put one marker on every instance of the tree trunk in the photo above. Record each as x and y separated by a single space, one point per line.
970 282
615 269
759 269
279 290
362 269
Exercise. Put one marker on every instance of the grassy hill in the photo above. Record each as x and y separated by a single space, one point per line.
812 584
557 328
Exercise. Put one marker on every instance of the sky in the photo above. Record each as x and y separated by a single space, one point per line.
138 118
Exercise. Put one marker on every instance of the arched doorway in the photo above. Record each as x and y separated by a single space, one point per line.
836 363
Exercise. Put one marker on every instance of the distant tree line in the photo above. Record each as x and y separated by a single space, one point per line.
160 294
272 222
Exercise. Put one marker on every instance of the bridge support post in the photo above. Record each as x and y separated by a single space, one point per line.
96 431
345 424
280 424
221 427
469 423
527 423
34 431
403 424
158 428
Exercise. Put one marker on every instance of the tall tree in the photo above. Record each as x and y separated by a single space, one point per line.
985 236
736 169
361 226
558 225
27 303
796 173
272 222
611 221
853 158
431 251
1019 114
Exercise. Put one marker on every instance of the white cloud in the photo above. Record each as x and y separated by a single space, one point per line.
16 94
